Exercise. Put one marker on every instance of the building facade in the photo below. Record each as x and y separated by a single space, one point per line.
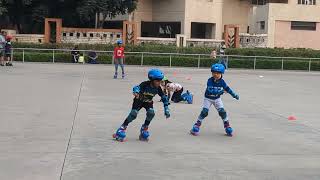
284 23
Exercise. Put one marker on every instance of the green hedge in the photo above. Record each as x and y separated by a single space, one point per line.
177 61
276 52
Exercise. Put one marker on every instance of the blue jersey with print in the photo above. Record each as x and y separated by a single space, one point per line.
215 88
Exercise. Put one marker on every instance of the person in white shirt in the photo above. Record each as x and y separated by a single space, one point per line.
2 47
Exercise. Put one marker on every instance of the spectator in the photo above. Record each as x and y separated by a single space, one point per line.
8 51
222 55
92 57
75 54
2 47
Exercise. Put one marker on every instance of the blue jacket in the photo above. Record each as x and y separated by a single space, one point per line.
216 88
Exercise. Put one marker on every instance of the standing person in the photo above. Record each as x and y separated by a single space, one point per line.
216 87
143 98
8 51
2 47
118 56
222 55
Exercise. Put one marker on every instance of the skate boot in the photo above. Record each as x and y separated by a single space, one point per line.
115 76
123 75
144 134
120 135
196 128
228 128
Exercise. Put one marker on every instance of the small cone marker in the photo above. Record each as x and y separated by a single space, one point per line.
292 118
174 73
188 78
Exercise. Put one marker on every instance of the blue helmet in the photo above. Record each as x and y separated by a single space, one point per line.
155 74
218 68
119 41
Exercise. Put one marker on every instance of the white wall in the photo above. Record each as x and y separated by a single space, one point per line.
169 11
236 12
290 12
204 11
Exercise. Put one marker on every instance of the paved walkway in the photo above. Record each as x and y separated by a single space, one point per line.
57 121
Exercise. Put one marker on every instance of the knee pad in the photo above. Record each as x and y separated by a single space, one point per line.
150 114
133 115
204 113
222 113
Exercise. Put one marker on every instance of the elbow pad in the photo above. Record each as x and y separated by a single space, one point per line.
136 89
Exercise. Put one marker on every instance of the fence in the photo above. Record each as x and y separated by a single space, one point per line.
171 59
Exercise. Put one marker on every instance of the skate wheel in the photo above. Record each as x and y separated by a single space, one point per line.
114 136
143 139
194 133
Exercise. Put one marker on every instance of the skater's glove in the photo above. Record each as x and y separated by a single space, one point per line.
167 112
236 96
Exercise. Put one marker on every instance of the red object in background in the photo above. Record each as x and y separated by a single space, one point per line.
118 52
174 73
292 118
8 37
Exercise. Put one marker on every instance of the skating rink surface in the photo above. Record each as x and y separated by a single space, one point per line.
57 121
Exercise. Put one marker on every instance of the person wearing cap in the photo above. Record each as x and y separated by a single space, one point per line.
118 57
8 50
222 55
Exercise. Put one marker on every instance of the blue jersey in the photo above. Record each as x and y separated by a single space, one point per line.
216 88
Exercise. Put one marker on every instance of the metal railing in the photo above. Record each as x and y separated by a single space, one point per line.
172 59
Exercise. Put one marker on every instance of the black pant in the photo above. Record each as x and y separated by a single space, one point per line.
176 96
138 104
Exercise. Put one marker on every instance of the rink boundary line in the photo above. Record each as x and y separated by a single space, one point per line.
73 122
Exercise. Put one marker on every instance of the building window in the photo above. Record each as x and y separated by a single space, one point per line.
262 25
259 2
307 2
301 25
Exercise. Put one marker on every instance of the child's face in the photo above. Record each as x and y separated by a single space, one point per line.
156 83
216 75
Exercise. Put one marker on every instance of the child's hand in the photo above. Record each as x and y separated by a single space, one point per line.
236 96
167 112
136 95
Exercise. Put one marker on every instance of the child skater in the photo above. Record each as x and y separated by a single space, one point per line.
216 86
176 90
118 56
143 98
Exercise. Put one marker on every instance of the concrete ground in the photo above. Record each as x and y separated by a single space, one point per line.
57 121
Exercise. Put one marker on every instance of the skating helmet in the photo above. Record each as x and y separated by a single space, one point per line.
155 74
119 42
218 68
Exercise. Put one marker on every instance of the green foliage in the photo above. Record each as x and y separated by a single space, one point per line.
105 8
28 15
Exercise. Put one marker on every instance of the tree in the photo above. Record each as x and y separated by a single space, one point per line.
105 8
3 9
